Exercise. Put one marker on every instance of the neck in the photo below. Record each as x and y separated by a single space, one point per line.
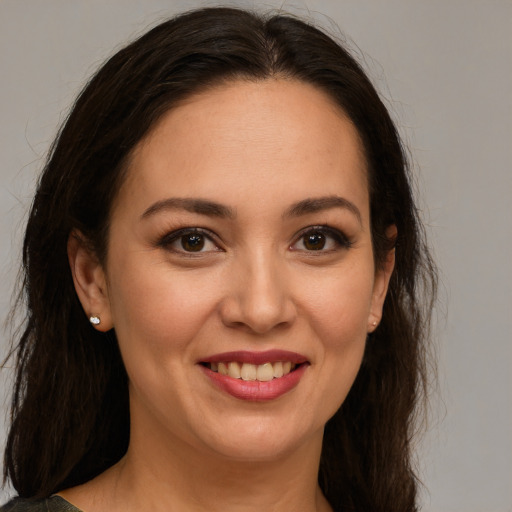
180 477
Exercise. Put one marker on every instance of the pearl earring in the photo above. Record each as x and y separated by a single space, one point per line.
95 320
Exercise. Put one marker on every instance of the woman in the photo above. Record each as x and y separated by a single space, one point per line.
228 290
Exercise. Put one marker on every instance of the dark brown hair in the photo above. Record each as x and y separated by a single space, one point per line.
70 417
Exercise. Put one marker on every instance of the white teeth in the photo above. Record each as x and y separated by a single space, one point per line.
222 369
250 372
278 369
234 370
265 372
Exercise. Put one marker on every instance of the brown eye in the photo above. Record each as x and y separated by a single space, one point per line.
322 239
314 241
192 242
189 241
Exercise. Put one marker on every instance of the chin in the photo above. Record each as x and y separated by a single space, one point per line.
257 439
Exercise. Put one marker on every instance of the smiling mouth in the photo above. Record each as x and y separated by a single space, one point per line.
252 372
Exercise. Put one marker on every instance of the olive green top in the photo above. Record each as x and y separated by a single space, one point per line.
51 504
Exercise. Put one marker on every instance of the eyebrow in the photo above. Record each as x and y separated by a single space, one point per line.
213 209
200 206
318 204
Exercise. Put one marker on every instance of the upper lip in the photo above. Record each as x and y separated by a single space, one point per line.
257 358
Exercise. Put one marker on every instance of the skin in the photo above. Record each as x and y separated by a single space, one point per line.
256 148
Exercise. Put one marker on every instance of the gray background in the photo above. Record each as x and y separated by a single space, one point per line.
445 69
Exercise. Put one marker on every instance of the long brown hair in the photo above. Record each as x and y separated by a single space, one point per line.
70 417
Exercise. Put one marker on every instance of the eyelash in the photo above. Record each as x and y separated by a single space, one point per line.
175 236
340 240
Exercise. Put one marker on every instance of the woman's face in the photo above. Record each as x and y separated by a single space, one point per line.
240 238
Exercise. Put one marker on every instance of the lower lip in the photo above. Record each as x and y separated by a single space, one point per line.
253 390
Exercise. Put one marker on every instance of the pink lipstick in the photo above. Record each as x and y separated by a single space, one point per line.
255 376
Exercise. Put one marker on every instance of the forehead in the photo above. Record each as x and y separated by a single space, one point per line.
235 139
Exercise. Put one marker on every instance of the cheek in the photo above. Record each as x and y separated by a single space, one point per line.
339 304
339 320
157 311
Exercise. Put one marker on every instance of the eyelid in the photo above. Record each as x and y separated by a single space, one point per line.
169 238
165 241
342 240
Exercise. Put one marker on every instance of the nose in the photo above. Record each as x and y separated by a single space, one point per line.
258 298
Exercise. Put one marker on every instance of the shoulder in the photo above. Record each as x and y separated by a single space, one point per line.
52 504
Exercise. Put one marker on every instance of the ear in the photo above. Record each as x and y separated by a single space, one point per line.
381 282
89 280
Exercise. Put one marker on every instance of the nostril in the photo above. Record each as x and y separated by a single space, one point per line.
258 304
